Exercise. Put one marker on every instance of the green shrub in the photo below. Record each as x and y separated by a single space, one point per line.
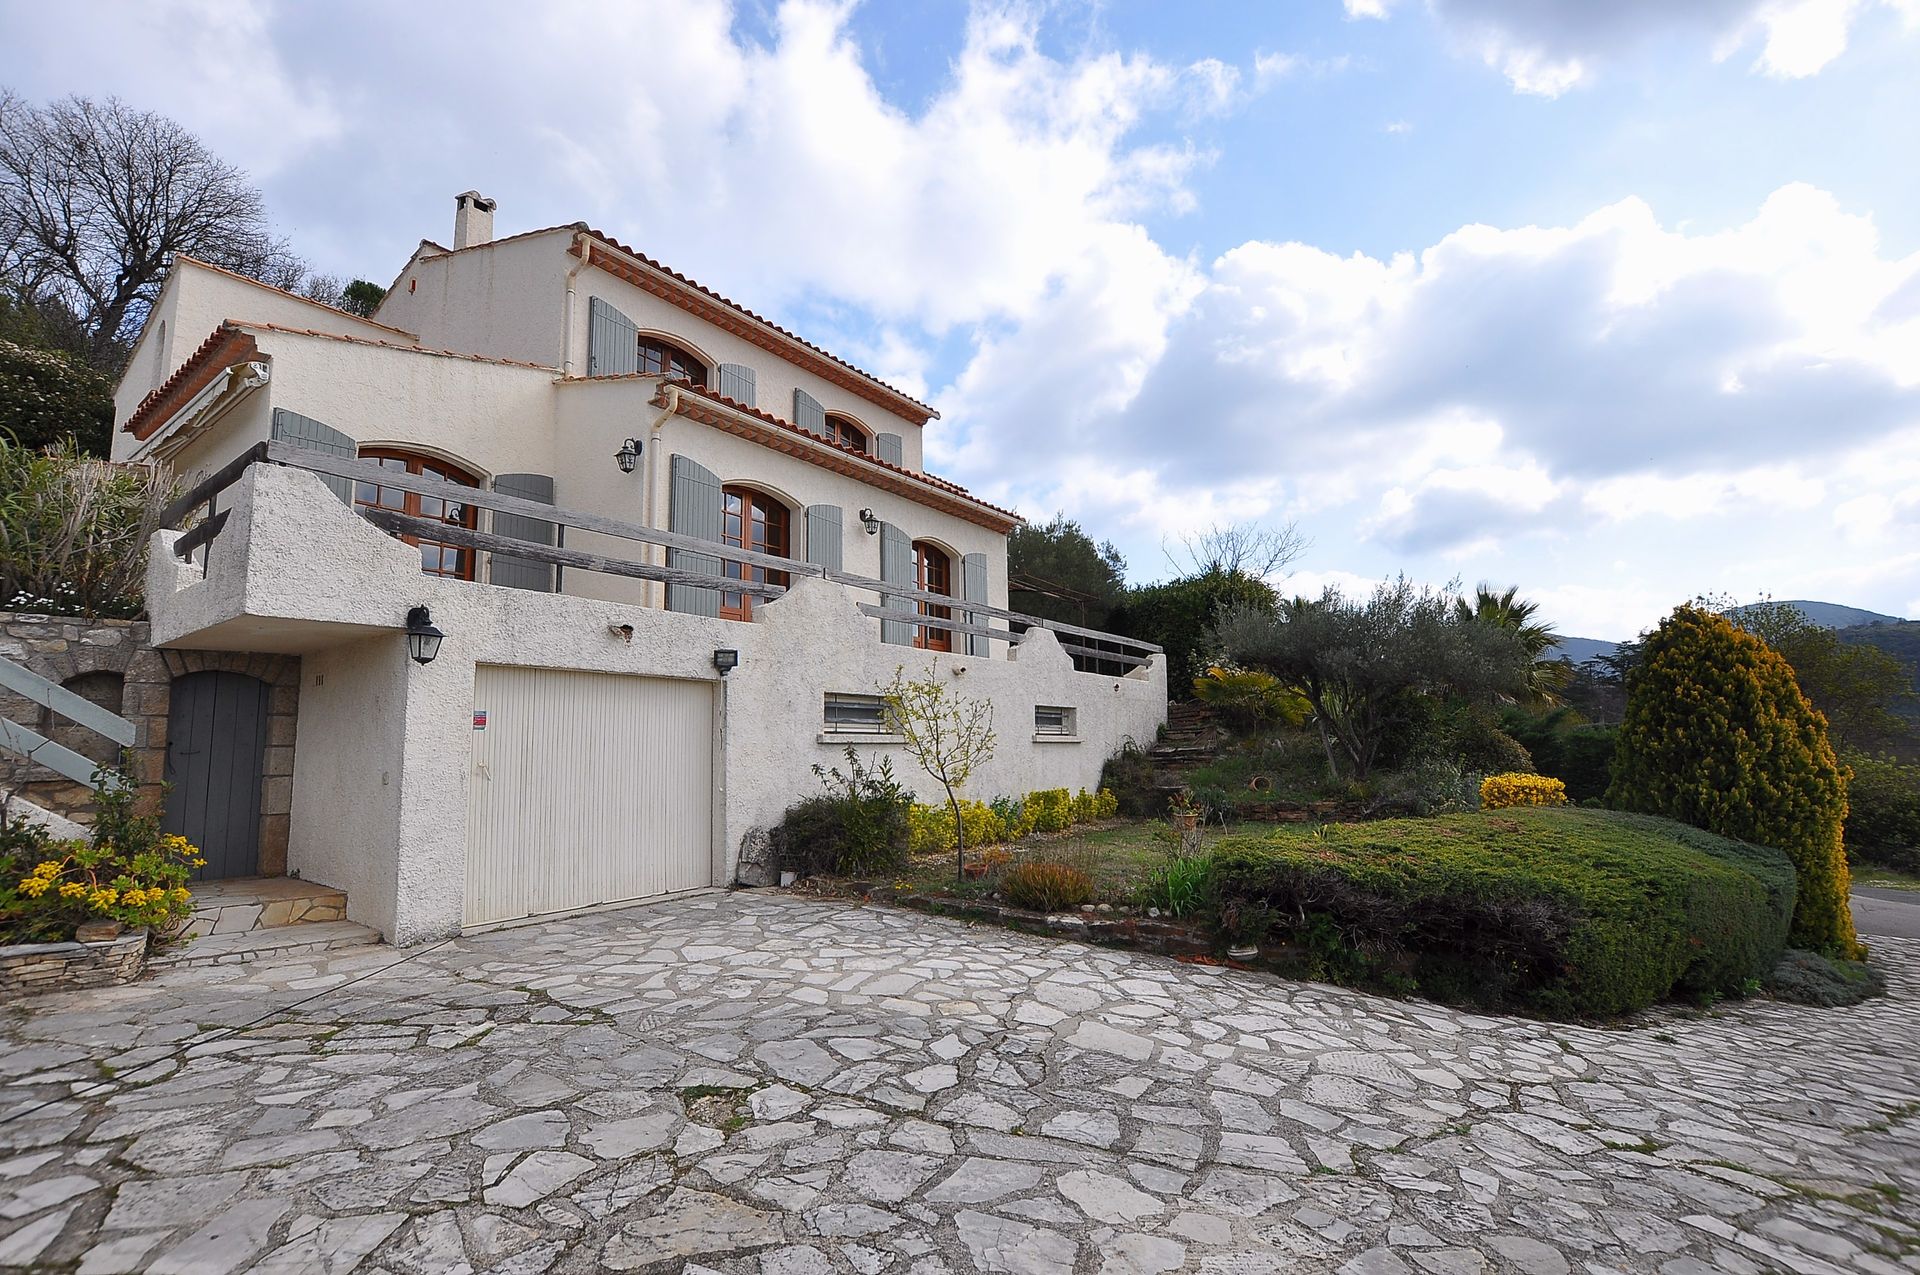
857 827
1246 701
1045 887
931 827
1577 753
1808 978
1129 775
1178 888
1049 810
1718 735
1559 910
73 531
1883 812
1475 738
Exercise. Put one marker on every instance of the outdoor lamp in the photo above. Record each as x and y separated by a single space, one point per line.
872 520
726 659
628 456
423 640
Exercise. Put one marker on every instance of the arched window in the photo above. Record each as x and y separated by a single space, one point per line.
842 430
436 559
753 520
933 572
661 357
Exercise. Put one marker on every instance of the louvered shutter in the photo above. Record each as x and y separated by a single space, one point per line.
693 509
735 380
823 536
523 573
808 414
973 587
896 567
889 448
613 341
304 431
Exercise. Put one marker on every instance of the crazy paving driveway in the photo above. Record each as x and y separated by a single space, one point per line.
758 1083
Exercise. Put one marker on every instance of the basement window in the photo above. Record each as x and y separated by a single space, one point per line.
1052 720
856 714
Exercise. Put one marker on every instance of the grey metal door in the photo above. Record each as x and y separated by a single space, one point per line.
216 749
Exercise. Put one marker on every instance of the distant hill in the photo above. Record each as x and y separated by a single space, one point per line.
1579 650
1831 615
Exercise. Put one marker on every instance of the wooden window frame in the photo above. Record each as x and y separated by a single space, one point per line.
846 432
737 529
654 356
928 556
416 505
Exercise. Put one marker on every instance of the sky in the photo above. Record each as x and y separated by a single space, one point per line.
1618 303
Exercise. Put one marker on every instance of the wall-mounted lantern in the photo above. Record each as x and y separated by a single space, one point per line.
726 659
423 639
872 521
628 456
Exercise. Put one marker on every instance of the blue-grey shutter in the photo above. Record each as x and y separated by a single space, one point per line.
896 567
304 431
735 381
613 341
693 509
808 414
823 536
523 573
889 448
973 587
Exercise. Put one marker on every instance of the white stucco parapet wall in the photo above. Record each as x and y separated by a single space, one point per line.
382 761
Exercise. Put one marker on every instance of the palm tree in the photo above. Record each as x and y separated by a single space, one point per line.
1546 678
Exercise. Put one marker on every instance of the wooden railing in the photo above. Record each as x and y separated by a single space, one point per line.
899 603
40 750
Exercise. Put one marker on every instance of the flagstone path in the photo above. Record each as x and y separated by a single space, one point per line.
782 1086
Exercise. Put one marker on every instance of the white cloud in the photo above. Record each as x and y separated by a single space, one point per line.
1547 47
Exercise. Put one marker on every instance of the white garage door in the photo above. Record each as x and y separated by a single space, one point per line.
587 788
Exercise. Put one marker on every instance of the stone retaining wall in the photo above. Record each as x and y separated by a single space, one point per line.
32 968
112 663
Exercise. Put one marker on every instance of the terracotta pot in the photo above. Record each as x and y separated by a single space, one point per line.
102 931
1187 821
975 870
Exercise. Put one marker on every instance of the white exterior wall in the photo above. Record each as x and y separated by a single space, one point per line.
505 300
192 303
595 416
509 300
296 571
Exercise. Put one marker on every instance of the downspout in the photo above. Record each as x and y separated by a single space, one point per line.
566 335
651 461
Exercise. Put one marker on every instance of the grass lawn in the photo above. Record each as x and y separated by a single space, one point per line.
1884 878
1118 854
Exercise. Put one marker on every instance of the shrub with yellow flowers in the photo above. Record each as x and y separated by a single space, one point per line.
131 872
1518 789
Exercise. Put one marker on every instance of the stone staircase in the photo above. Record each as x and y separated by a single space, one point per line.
249 918
1191 739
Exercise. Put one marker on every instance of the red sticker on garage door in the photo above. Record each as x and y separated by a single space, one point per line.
479 719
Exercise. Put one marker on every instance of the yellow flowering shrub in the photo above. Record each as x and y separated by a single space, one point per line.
1516 788
930 828
131 872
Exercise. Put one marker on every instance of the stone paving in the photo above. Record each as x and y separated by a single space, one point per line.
768 1084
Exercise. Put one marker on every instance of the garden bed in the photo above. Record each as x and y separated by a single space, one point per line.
29 969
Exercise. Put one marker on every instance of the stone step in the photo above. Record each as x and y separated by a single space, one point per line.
240 904
254 945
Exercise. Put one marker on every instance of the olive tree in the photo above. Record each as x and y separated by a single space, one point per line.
949 734
1364 666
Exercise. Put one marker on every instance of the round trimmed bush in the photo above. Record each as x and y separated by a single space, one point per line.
1718 735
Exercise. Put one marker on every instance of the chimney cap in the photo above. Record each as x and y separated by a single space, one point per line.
479 200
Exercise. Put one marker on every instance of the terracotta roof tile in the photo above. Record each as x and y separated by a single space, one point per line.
224 346
1003 518
886 395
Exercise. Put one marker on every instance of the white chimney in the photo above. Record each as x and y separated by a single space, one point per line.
472 219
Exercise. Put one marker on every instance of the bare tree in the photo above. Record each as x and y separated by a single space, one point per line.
97 198
1244 548
949 734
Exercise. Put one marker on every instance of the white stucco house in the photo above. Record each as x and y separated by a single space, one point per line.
580 737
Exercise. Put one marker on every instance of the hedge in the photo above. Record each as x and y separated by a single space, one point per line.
1557 910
